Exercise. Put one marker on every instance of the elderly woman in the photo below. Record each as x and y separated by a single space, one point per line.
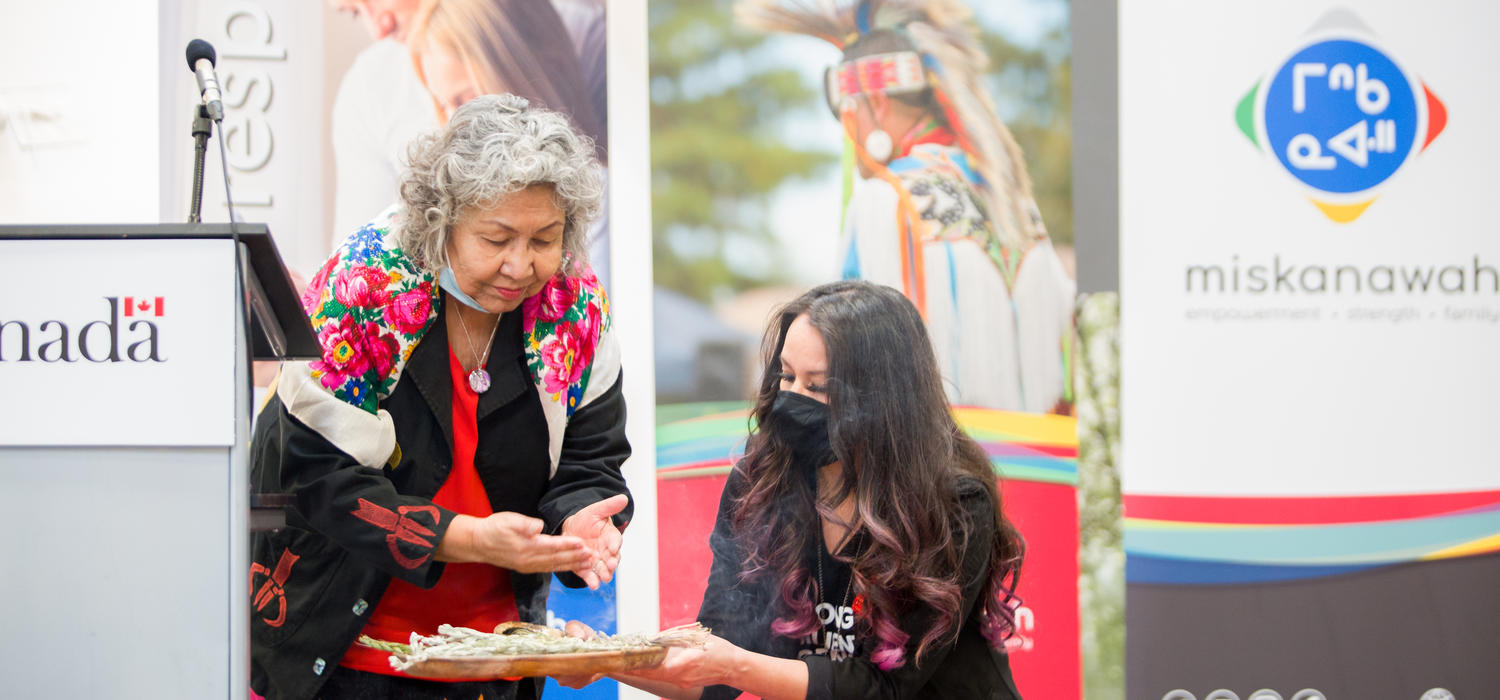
462 436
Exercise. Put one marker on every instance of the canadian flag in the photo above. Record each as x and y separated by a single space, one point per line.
140 306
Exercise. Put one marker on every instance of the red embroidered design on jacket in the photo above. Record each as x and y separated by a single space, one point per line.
401 527
274 587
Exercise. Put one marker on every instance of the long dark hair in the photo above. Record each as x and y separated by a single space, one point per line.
903 460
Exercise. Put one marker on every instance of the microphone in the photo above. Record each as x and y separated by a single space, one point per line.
201 59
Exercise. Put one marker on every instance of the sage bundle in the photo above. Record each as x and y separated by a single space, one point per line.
521 639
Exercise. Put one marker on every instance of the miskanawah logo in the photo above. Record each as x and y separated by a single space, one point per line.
1341 116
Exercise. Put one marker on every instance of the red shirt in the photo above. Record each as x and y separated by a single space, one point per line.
478 596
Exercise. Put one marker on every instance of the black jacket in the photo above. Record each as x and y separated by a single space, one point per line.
353 528
966 668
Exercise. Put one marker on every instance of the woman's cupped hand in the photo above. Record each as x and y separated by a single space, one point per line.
515 542
594 525
589 544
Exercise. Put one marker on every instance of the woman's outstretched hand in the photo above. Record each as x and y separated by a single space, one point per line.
577 629
513 541
595 528
695 667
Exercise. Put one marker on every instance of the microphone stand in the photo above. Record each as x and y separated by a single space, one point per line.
203 128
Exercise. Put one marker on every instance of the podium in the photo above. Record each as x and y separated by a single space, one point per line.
125 409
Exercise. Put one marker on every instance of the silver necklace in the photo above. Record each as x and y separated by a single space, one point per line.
479 380
823 549
847 588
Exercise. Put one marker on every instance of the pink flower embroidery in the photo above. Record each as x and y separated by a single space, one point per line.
331 378
562 354
591 326
351 349
361 285
314 292
556 297
344 353
382 349
585 333
587 278
343 347
408 311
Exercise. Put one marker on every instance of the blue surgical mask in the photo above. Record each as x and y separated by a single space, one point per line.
450 285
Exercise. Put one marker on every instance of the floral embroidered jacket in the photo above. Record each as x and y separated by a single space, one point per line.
362 439
370 304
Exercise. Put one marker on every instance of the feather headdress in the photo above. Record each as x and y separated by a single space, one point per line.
942 31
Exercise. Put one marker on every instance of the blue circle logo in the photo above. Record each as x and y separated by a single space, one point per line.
1340 116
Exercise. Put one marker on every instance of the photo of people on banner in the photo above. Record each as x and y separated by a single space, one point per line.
429 57
923 146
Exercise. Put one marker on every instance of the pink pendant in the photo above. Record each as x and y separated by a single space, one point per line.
479 381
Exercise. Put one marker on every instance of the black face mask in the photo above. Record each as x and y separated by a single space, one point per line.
802 423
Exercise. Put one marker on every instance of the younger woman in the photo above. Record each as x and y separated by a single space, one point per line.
860 549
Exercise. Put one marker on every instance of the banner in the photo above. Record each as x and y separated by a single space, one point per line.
1311 288
759 196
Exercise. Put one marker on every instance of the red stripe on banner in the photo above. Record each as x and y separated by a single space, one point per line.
1306 510
709 464
1069 451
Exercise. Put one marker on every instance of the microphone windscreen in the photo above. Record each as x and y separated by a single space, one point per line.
197 49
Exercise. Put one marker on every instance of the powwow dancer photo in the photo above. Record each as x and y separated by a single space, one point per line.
943 209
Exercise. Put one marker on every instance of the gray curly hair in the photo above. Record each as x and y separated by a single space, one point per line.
492 146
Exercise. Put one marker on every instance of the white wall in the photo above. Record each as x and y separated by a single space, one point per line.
80 136
630 265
